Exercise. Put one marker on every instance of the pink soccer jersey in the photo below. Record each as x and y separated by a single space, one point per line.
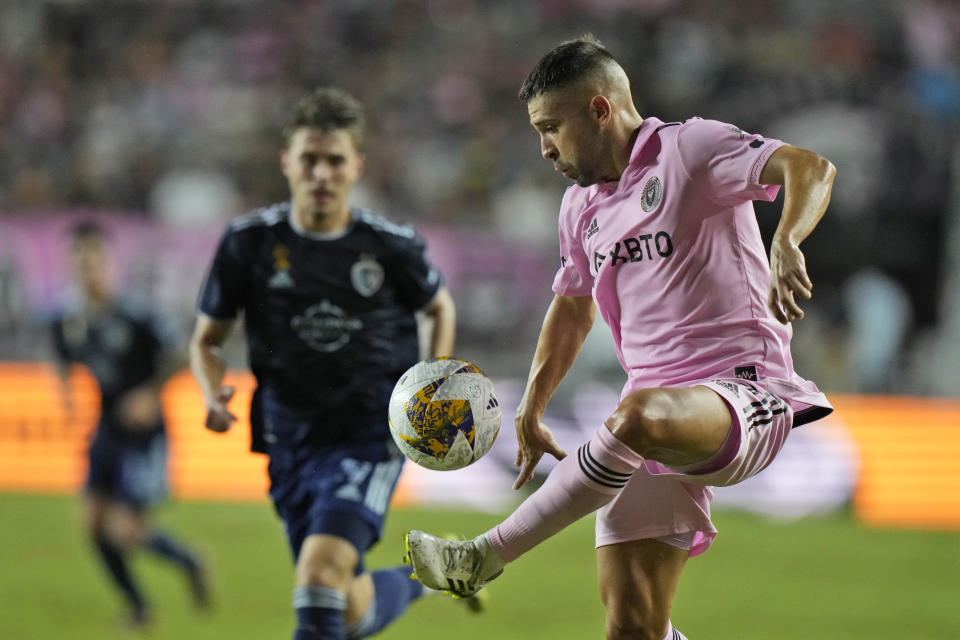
673 257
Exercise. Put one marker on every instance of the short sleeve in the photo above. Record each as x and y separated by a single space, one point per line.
221 295
573 278
416 279
725 161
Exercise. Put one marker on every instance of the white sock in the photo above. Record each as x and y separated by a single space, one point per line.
673 634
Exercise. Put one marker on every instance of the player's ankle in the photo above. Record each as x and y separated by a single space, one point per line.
493 561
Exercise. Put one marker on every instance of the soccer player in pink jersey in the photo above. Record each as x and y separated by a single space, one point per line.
660 235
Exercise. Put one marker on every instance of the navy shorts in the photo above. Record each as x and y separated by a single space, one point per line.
340 490
134 473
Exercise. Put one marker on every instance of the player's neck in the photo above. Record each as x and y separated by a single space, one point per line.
320 222
97 296
625 150
622 149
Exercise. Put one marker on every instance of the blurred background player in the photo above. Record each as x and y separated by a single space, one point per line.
131 351
329 294
660 234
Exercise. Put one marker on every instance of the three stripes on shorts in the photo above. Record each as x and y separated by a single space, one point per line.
757 414
598 473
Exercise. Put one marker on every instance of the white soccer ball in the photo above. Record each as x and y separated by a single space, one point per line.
444 414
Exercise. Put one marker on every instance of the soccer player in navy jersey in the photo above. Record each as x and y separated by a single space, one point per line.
131 351
330 296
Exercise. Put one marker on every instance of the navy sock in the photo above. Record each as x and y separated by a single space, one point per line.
116 564
394 590
319 613
168 547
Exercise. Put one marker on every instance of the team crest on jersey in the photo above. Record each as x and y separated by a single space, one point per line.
366 274
652 192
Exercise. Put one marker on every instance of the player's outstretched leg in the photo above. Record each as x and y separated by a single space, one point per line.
578 485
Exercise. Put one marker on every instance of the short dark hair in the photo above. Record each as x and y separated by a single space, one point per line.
328 109
565 64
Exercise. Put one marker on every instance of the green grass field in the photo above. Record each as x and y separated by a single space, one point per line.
816 579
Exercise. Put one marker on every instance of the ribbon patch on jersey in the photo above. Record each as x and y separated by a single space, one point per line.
366 274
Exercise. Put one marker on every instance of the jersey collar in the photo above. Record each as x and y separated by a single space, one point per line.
646 131
320 235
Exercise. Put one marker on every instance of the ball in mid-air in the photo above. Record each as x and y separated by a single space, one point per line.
444 413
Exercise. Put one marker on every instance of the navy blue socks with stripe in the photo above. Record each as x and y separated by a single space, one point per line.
394 591
320 610
577 486
319 613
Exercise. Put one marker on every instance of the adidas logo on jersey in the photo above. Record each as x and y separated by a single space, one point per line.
492 403
281 279
593 229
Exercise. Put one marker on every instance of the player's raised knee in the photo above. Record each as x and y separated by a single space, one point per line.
643 419
326 571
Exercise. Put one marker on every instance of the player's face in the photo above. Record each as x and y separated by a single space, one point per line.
321 167
88 262
569 134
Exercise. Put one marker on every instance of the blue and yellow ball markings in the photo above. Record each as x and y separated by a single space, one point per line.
437 423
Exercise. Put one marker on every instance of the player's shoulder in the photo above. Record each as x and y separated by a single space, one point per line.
383 226
575 198
696 127
386 234
67 304
262 218
136 307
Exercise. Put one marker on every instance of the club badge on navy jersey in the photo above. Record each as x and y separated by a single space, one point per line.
281 278
652 192
366 274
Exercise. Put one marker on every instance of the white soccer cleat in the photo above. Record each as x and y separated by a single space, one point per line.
462 567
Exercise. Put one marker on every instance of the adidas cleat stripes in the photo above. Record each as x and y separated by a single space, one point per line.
462 567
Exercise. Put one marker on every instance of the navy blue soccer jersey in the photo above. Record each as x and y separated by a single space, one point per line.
123 346
330 318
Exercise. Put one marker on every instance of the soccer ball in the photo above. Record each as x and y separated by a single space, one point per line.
444 414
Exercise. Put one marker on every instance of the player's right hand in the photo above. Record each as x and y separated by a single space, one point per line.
788 281
533 440
219 418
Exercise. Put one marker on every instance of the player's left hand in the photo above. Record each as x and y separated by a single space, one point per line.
533 440
788 280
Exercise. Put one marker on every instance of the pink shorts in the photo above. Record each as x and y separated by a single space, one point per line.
661 501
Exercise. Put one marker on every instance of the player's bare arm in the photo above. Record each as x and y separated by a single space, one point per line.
441 314
565 327
807 179
209 367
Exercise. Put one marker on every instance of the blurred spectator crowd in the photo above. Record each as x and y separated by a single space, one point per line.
171 111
